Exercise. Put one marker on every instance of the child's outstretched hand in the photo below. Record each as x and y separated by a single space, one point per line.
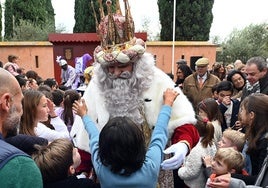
80 107
169 96
207 161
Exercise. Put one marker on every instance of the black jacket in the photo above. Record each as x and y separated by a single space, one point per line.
71 182
26 142
234 117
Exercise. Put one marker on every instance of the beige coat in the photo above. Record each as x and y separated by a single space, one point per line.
196 94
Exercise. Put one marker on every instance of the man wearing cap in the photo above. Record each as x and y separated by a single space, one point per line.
198 85
126 83
69 78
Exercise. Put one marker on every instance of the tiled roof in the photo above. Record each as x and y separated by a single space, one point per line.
73 37
82 37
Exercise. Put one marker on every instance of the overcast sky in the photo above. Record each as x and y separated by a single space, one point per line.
230 14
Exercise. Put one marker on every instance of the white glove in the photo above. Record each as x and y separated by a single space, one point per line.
180 150
58 59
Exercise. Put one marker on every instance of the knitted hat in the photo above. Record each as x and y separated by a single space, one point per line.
202 62
116 33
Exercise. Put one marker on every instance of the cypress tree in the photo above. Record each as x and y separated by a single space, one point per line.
50 15
84 16
193 19
84 20
8 19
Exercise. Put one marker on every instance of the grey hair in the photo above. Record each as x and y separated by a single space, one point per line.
259 61
123 97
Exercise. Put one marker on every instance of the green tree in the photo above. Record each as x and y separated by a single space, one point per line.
27 31
61 28
50 15
193 19
243 44
84 20
8 19
145 28
30 10
39 13
84 15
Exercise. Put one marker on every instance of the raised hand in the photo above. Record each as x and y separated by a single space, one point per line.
80 107
169 96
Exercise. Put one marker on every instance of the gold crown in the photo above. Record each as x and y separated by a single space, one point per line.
114 28
116 33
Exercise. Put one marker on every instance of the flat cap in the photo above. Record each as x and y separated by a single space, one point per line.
202 62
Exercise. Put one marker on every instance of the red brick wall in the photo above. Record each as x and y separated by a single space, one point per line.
163 52
37 56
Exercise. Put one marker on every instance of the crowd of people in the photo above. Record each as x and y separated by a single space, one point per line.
51 118
234 86
39 117
133 126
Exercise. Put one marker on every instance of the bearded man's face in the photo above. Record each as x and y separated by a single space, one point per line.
119 70
11 124
121 91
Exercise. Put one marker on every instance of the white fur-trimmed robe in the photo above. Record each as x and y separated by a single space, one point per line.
182 110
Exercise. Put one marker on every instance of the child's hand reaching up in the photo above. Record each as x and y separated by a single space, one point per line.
80 107
169 96
207 161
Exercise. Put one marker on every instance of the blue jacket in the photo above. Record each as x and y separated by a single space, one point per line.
148 174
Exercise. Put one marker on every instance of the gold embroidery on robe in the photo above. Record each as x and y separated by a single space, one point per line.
147 131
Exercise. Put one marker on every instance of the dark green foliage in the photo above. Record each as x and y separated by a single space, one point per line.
50 14
193 19
84 20
166 19
30 10
27 31
243 44
21 14
84 16
8 19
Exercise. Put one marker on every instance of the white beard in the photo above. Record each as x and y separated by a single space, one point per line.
145 91
123 97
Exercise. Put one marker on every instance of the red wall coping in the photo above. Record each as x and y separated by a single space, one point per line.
82 37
